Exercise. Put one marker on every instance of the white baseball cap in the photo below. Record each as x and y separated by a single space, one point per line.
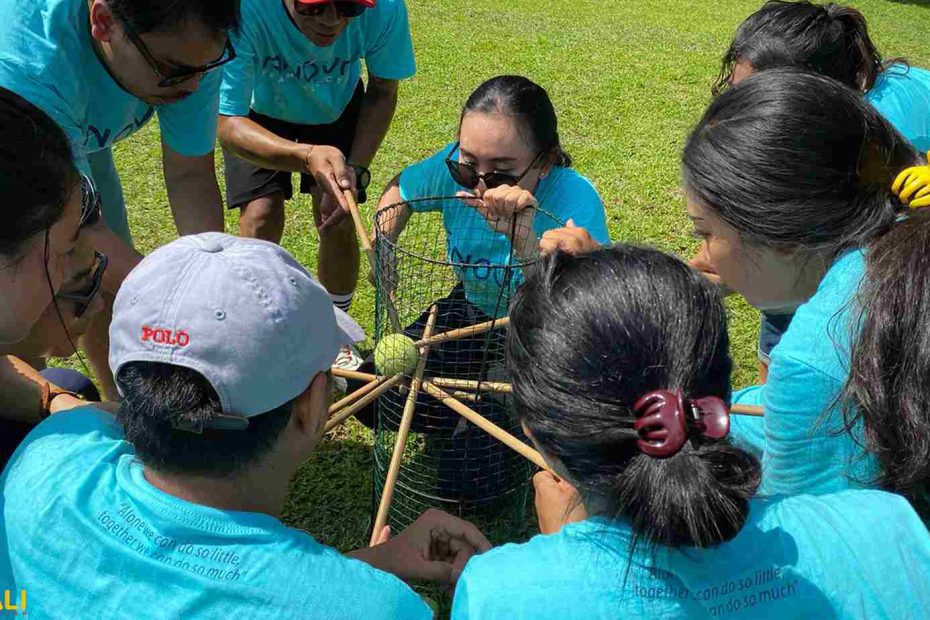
241 312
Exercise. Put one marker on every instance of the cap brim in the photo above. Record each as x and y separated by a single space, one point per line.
351 331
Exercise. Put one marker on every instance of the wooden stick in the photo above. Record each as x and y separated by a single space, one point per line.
751 410
486 425
354 374
369 250
338 418
387 495
464 384
459 384
353 396
469 396
463 332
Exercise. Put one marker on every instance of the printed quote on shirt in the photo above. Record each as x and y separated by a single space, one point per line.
209 561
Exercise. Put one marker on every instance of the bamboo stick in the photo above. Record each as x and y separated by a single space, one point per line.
486 425
464 384
750 410
337 418
353 396
369 251
387 495
464 332
460 384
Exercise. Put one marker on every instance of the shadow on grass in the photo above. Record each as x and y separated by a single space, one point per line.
924 4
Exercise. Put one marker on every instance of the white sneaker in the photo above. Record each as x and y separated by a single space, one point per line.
348 359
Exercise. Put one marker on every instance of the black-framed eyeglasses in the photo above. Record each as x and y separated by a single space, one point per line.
468 176
90 203
343 7
83 298
182 74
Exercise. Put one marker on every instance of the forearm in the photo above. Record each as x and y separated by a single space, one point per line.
22 388
248 140
374 121
122 257
193 193
391 228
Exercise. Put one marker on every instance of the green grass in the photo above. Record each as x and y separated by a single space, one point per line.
628 80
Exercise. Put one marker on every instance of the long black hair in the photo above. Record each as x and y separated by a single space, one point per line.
792 159
829 39
588 337
529 104
887 391
36 173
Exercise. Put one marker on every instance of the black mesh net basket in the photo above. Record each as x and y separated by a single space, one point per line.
445 254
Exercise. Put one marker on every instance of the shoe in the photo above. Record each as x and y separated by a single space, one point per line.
348 359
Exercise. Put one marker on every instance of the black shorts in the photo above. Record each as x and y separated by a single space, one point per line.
246 181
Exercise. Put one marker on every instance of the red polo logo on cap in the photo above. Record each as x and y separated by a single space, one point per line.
160 335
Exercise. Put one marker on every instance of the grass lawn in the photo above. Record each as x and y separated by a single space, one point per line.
628 80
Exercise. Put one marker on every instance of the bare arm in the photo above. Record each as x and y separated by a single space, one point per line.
21 388
375 118
193 192
393 227
248 140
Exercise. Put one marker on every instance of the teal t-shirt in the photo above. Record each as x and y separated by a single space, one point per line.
86 535
46 57
856 554
902 95
278 72
800 439
563 194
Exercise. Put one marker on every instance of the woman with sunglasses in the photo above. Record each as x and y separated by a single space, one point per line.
620 368
507 161
44 254
294 101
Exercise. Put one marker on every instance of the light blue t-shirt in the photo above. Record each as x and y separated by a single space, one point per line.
46 57
86 535
902 95
856 554
800 439
563 194
278 72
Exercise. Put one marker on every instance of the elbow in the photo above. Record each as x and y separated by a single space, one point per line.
226 130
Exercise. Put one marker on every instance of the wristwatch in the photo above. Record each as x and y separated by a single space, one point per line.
362 180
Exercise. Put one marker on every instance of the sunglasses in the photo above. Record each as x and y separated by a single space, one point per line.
468 176
90 203
343 8
174 78
83 298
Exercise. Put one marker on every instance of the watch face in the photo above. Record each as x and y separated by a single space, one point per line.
362 177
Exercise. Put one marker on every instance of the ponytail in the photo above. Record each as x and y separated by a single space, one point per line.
829 39
589 336
887 391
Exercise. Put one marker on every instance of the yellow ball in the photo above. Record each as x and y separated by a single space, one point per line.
396 354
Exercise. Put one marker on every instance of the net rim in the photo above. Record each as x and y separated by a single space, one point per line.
394 246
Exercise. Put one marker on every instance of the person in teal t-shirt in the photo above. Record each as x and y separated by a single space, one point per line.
620 366
103 69
293 101
513 181
787 215
171 509
833 40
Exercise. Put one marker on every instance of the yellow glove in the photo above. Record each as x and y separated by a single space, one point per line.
913 186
